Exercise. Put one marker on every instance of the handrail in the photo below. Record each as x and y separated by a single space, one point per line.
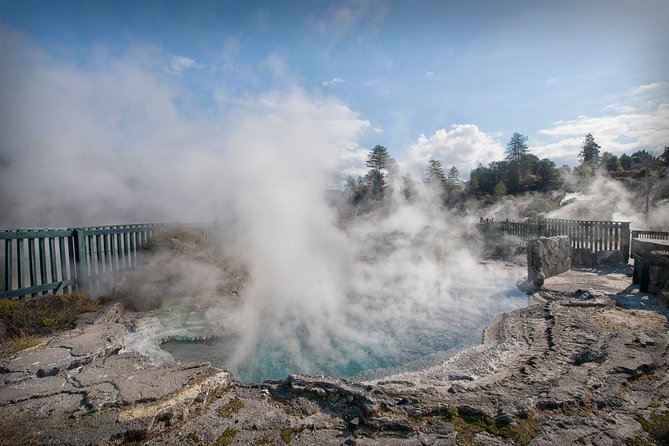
591 234
54 260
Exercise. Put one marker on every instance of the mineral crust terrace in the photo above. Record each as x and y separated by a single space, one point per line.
571 368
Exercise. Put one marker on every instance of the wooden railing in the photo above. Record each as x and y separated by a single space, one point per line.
596 235
55 260
650 235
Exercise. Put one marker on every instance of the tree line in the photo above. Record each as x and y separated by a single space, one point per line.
519 172
374 186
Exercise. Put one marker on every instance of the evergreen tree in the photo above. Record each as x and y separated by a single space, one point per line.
434 173
590 152
378 161
517 148
626 161
516 151
549 175
453 178
357 190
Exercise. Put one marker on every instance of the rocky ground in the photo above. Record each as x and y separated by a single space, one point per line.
572 368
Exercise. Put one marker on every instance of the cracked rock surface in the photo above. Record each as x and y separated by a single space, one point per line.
572 368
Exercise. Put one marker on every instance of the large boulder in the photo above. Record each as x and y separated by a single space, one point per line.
547 257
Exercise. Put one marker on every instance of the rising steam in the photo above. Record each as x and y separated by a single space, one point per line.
108 144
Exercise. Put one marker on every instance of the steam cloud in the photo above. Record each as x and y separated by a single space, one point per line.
108 144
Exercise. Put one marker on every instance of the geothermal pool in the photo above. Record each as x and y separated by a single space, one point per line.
385 345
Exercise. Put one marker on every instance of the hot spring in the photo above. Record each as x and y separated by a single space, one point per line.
375 336
382 295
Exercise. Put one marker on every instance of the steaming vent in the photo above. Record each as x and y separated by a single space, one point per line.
397 297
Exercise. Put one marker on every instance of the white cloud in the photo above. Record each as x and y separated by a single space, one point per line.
626 132
351 163
177 64
429 73
639 122
333 81
620 108
464 146
654 88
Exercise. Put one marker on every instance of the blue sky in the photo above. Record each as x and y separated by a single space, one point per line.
432 79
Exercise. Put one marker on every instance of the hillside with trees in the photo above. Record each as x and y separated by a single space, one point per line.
520 174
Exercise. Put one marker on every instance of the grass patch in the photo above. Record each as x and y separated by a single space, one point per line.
177 238
288 432
657 426
44 313
521 430
261 441
19 342
230 408
226 437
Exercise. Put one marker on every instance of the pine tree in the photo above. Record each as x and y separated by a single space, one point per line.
378 160
517 148
453 178
434 173
516 151
590 152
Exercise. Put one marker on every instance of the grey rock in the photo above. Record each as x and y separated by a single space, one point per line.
547 257
572 368
32 361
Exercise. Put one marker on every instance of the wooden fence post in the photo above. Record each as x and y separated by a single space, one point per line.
8 264
80 259
625 241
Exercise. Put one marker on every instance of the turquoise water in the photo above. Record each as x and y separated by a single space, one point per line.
407 343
